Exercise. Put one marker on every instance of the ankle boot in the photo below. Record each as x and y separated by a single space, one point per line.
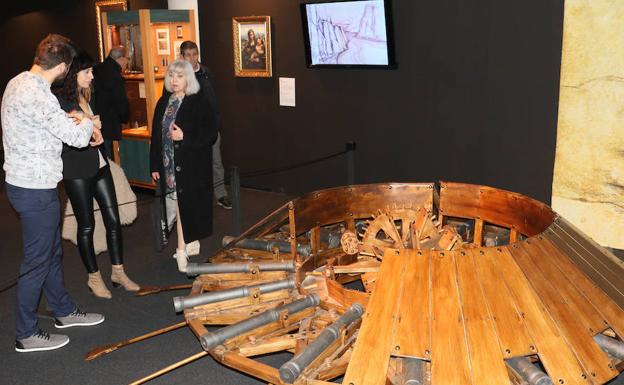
97 286
119 278
192 248
182 258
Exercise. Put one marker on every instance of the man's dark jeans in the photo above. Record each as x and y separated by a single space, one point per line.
42 269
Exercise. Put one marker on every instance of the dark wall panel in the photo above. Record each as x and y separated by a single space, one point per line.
474 98
25 25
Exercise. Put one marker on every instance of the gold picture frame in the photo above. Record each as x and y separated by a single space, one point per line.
252 46
106 6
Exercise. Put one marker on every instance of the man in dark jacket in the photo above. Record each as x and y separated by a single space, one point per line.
111 100
190 53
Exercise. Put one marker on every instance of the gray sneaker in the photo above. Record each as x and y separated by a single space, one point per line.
78 318
225 202
41 341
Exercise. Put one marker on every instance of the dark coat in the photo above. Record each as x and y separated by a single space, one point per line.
111 100
207 84
79 163
193 160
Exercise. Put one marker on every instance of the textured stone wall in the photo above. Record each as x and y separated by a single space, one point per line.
588 184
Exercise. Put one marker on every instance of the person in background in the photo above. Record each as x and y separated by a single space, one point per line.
111 101
190 53
183 132
34 130
87 175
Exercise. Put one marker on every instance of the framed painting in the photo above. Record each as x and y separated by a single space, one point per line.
162 41
252 46
106 6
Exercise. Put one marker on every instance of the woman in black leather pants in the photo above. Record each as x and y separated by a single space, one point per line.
87 175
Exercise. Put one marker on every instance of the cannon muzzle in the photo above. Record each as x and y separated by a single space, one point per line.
210 340
292 369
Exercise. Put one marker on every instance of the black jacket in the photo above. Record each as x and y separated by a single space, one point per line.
79 163
193 161
207 84
111 100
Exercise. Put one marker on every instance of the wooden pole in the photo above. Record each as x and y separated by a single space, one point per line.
102 350
148 289
170 368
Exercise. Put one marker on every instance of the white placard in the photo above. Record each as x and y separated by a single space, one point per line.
287 92
142 90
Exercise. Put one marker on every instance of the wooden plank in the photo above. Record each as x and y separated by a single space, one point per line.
342 297
607 257
478 232
513 336
334 205
449 352
371 353
350 224
554 352
612 314
486 358
607 267
493 205
588 269
315 239
148 60
513 235
249 366
610 273
413 337
591 357
268 345
365 266
587 314
293 233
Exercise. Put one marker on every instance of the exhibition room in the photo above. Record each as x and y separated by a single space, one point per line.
312 192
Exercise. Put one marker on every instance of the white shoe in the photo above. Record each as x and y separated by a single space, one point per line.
192 248
182 258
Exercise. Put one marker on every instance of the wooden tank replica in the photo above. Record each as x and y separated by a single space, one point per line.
405 283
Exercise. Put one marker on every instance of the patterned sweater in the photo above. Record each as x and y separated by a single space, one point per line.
34 128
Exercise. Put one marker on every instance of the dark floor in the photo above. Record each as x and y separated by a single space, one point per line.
127 316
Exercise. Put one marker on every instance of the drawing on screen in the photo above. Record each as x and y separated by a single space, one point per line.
348 33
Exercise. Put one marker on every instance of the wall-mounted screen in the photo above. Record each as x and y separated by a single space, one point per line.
352 33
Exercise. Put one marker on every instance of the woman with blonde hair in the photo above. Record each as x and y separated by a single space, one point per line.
86 175
181 155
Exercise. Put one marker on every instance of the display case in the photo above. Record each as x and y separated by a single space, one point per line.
153 38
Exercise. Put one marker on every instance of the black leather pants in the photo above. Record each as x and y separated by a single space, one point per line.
81 193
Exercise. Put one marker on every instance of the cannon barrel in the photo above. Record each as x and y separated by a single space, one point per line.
210 340
181 303
220 268
610 345
529 372
414 371
292 369
268 245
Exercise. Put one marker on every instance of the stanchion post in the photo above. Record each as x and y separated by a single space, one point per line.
236 209
350 148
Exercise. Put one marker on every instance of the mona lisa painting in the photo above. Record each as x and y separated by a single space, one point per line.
252 46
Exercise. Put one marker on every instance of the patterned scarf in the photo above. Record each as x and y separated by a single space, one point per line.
167 143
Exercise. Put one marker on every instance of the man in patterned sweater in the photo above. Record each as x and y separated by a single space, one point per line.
34 130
